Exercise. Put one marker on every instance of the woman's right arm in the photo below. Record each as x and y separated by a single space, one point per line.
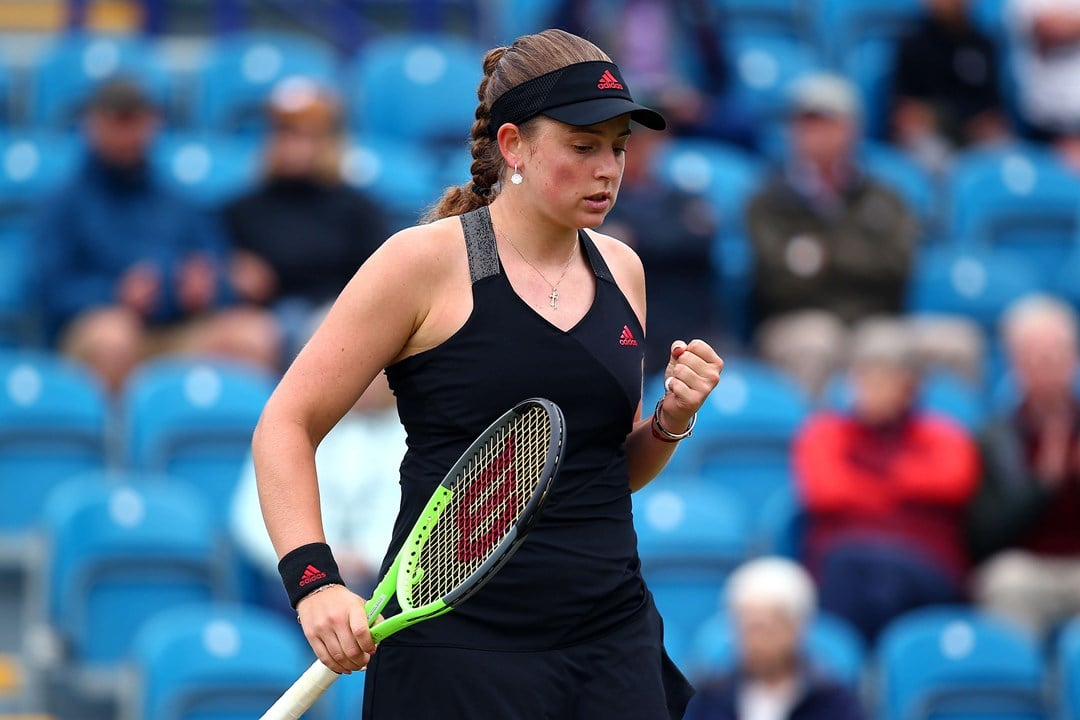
381 315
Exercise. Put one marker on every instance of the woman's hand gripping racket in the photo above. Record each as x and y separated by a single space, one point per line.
476 519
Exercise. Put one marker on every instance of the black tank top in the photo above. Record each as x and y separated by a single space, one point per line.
577 575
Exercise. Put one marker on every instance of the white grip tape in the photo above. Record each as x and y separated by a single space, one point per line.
303 693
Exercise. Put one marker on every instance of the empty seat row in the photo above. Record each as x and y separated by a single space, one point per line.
432 80
189 419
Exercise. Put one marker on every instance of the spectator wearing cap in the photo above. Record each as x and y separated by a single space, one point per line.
833 246
771 601
1025 520
884 486
301 234
128 269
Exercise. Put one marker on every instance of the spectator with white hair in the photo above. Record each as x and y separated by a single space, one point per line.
771 601
1025 520
885 486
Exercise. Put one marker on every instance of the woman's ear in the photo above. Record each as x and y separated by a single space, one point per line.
511 144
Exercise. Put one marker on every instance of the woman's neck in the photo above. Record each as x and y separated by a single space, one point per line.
535 235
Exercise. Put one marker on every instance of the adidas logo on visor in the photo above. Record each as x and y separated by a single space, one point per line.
609 82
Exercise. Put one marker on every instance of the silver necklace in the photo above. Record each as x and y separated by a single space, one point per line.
553 297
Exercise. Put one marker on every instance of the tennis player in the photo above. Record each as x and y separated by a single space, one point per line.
502 296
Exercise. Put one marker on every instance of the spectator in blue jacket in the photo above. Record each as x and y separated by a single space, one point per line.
770 601
127 268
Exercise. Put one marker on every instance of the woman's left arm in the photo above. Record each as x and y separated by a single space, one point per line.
693 371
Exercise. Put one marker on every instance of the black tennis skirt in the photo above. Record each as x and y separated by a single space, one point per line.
624 674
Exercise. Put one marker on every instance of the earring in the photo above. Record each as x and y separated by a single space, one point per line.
516 177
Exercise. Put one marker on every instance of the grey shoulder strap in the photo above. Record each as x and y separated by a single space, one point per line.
480 244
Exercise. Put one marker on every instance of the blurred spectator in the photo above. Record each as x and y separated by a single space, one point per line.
831 245
1026 517
1047 39
128 269
301 235
884 487
771 601
672 232
946 89
357 464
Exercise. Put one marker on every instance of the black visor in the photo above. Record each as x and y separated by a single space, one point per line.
580 94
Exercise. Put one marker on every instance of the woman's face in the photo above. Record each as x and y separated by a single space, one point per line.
573 171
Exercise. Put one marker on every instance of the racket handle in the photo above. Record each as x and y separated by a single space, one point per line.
303 693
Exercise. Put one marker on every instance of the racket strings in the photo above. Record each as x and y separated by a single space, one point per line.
491 493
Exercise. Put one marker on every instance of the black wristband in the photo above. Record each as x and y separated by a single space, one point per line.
306 569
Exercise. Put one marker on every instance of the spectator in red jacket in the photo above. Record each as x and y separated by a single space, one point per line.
884 487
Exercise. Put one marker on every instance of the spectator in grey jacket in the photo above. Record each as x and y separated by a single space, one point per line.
832 246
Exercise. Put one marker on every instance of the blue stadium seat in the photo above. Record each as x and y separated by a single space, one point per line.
455 167
762 69
401 175
32 164
1068 670
780 524
725 175
907 178
783 18
833 647
75 64
432 80
241 70
690 536
346 698
522 17
211 169
858 38
192 420
942 392
215 662
978 283
7 95
1020 198
18 326
957 663
748 421
1065 283
119 553
53 418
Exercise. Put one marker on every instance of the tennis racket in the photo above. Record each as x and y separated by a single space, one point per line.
476 519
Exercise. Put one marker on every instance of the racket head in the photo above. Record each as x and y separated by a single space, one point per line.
484 507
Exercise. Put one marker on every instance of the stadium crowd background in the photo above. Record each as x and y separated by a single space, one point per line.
913 204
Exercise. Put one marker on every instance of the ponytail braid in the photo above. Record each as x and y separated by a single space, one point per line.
487 160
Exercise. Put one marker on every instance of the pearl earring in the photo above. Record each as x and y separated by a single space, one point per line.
516 177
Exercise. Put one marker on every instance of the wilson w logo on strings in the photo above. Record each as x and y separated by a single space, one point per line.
488 505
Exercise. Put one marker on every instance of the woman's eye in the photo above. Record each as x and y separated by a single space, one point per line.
619 150
583 148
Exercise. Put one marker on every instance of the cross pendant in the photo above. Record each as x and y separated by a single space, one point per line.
553 298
